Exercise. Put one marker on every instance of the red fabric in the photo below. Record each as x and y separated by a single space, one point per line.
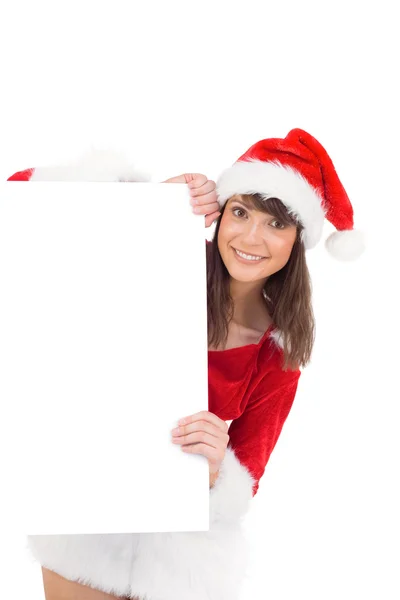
302 152
247 386
21 175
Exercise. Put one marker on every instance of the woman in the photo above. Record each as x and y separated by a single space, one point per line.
271 205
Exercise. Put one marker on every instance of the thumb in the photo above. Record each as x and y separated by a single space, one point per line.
187 178
196 180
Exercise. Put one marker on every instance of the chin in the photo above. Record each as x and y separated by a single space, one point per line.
240 275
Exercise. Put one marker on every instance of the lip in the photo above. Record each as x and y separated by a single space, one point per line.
244 260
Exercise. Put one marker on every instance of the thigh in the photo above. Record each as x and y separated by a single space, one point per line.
59 588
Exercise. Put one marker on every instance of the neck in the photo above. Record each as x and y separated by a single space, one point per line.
249 303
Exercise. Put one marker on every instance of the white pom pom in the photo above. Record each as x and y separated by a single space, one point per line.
345 245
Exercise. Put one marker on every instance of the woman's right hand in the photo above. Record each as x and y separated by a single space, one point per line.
203 195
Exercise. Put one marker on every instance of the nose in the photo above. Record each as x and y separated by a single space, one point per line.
254 234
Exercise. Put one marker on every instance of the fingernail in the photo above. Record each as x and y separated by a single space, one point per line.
176 430
181 422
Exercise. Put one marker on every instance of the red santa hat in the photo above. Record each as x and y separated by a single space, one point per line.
298 171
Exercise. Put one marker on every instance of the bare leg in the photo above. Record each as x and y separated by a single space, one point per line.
58 588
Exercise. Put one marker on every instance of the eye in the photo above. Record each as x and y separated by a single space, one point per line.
278 225
237 208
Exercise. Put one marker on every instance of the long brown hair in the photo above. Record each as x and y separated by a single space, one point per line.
287 292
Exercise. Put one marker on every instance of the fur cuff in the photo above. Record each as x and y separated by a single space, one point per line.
231 494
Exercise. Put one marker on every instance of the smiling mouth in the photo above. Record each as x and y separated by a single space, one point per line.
248 257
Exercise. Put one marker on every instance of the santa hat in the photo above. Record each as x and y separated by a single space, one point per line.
298 171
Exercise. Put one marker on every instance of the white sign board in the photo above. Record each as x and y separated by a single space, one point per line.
103 347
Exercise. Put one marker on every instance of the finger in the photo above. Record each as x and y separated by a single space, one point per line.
201 426
209 198
196 180
211 453
187 178
206 188
206 416
205 209
200 437
209 220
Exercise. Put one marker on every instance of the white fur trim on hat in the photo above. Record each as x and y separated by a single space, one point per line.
207 565
274 180
94 165
345 245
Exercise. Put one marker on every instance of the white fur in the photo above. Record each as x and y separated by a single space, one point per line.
163 566
94 165
274 180
230 497
345 245
277 337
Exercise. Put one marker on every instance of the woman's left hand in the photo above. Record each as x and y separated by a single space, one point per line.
203 433
203 195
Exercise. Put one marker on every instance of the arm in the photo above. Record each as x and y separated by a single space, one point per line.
252 438
255 433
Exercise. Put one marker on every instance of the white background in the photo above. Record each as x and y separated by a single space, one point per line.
189 87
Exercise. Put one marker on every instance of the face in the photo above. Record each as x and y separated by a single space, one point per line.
257 234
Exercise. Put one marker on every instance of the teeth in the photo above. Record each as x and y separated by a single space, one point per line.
248 256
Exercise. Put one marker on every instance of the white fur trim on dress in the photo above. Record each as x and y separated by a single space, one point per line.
208 565
274 180
94 165
277 337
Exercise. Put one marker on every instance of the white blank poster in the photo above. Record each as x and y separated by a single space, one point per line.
103 347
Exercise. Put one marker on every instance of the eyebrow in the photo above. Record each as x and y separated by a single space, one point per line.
251 208
245 203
